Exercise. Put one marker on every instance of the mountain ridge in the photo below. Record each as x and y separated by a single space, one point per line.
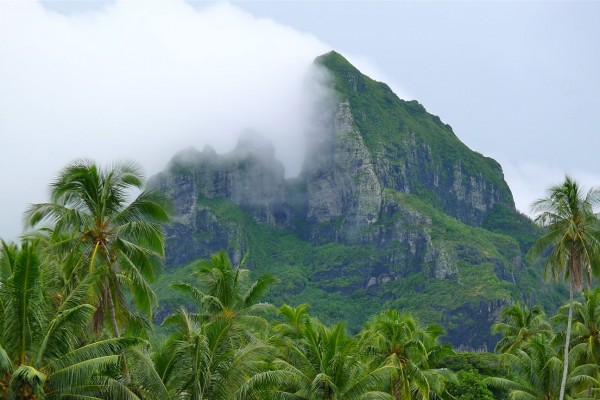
389 210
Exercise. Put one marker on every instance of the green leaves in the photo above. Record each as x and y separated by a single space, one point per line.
573 231
214 355
396 340
522 324
318 362
25 303
25 383
89 214
573 238
5 363
90 242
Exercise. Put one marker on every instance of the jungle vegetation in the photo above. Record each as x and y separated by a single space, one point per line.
76 316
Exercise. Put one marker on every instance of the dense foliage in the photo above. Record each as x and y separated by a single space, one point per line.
63 335
390 210
331 276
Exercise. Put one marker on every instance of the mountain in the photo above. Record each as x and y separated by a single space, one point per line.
391 209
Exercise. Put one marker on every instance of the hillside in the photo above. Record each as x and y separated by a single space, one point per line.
391 209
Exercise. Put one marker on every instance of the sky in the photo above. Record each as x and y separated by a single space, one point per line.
112 80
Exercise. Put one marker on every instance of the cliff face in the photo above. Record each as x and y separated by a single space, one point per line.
341 181
249 176
387 212
412 151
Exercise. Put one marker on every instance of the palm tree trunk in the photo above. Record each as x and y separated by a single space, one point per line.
395 389
113 316
109 298
563 383
117 334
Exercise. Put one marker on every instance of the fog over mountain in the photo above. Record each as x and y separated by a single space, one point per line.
142 82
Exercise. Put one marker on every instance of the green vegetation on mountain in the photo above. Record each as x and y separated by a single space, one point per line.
394 245
393 128
226 342
391 209
508 221
331 277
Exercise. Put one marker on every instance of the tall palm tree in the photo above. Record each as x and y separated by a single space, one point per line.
89 215
520 324
573 238
396 339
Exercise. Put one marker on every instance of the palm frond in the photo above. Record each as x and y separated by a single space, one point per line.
25 314
144 376
257 289
143 296
58 337
102 348
26 382
6 366
369 382
80 373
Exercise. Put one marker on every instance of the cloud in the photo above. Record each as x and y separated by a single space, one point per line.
529 180
141 81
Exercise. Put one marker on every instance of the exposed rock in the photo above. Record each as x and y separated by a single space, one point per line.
340 178
249 176
441 258
351 193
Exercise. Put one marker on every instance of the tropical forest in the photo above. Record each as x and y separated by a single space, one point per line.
394 266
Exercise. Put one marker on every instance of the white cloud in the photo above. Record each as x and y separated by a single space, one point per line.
530 180
140 80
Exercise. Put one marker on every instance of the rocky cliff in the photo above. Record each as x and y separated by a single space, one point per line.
390 210
411 150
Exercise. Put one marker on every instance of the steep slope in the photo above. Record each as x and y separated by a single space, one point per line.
390 210
410 150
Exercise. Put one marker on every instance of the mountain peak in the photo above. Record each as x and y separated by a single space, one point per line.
334 61
391 209
346 77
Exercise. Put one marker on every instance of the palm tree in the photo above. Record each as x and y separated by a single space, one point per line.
573 238
585 337
585 328
91 223
295 322
213 353
226 290
536 370
44 348
208 359
521 325
316 362
397 340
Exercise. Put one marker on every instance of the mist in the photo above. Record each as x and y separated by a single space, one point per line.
142 82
